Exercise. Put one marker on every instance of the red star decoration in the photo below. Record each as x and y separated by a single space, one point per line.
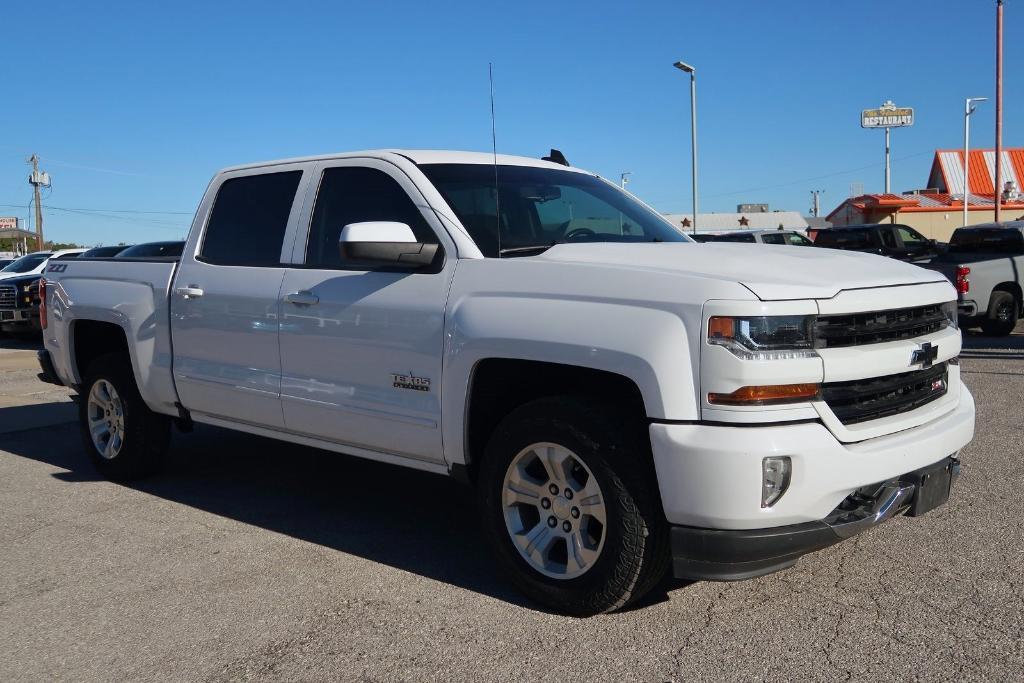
744 221
686 222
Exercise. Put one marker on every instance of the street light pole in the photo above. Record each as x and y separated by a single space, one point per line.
683 66
968 110
624 179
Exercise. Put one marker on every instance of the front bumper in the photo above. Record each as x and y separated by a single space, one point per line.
710 475
16 318
732 555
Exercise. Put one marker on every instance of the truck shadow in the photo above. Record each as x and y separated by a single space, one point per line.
414 521
979 346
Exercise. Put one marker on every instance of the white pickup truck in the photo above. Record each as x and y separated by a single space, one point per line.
625 400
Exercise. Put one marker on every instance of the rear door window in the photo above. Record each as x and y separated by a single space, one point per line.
773 238
888 238
249 220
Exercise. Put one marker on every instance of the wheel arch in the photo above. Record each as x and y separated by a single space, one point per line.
1012 288
497 386
89 339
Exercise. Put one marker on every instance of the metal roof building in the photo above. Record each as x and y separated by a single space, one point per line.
721 222
938 210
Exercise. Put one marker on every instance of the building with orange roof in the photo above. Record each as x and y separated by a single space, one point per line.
937 210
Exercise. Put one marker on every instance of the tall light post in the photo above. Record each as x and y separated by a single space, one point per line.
968 110
624 179
683 66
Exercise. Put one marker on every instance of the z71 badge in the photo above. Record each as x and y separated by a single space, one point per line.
57 268
410 382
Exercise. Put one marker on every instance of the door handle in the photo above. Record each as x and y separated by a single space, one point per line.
190 292
302 298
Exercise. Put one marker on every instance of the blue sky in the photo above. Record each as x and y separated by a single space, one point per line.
133 106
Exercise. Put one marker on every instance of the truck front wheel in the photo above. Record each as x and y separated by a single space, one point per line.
124 438
571 505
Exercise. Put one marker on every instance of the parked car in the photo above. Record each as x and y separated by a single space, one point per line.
105 252
888 239
625 402
985 263
35 262
701 236
19 290
791 237
153 250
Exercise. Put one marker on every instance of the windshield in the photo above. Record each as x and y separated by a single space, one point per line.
26 263
541 207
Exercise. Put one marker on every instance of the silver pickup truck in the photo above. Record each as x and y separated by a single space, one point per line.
985 264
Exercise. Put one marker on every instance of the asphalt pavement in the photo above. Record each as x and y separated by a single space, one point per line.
253 559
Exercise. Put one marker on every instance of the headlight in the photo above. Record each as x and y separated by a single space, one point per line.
764 337
952 315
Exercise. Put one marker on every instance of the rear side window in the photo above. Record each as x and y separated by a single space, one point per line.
735 238
844 239
249 219
888 238
356 194
1004 240
773 238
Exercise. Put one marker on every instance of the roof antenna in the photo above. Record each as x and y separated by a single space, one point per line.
494 151
556 157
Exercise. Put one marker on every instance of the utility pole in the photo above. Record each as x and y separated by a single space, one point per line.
815 203
968 110
999 107
36 180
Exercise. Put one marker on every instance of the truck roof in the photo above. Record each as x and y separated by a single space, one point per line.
417 156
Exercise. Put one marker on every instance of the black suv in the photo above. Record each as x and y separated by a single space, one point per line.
888 239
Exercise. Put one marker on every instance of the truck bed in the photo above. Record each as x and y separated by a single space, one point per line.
129 293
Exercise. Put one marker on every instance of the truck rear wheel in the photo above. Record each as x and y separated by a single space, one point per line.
124 438
571 505
1003 311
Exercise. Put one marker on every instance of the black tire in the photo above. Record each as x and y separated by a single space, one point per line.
145 434
1003 312
615 448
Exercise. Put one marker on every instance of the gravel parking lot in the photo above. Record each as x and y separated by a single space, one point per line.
251 558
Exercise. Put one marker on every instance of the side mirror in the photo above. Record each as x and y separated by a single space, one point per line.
384 243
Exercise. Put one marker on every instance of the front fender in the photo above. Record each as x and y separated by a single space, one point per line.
644 344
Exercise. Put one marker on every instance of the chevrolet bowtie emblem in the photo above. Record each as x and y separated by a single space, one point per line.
925 355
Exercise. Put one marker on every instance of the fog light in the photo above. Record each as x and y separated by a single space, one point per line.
775 474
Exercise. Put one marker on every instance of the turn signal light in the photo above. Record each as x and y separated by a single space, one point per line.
963 280
766 395
42 302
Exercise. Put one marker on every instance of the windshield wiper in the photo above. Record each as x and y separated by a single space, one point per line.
523 251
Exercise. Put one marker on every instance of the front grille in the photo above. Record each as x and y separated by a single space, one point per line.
869 399
8 296
854 329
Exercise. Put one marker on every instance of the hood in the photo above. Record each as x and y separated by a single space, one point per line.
11 276
772 273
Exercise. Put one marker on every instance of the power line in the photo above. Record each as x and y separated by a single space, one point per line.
819 177
104 211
